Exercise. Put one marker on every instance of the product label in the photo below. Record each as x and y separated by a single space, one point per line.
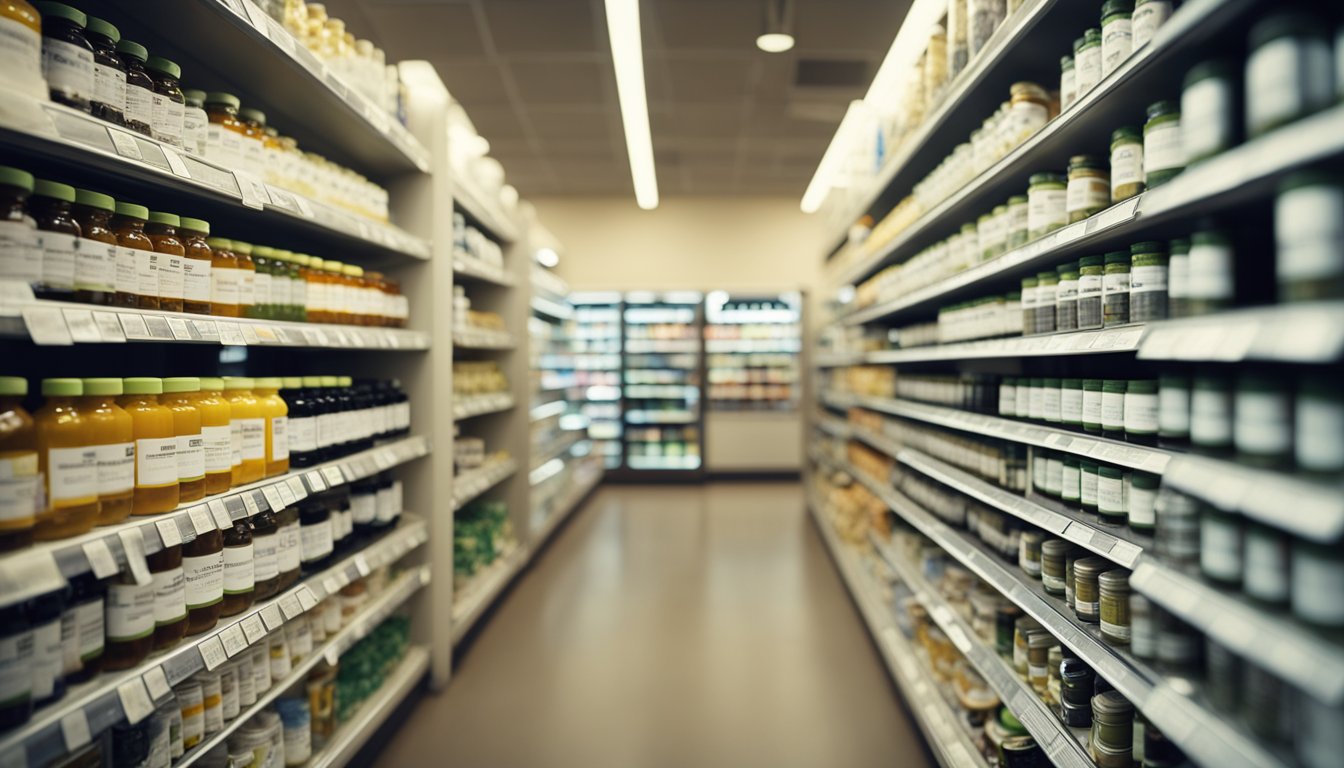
279 438
1089 286
1091 407
1318 581
147 273
302 434
316 540
317 297
289 547
1210 272
48 657
252 438
1207 117
72 475
20 251
1116 283
1068 483
390 502
1126 166
126 279
1050 404
1262 424
190 457
168 120
223 147
1210 422
1087 68
203 579
16 674
261 289
1310 260
225 285
236 441
156 462
139 105
58 259
1162 147
217 449
1071 406
1113 410
1117 42
1141 505
1146 19
267 564
280 291
239 575
1173 404
364 508
1066 291
116 468
194 121
1140 413
89 629
1320 433
19 486
21 60
130 612
170 596
1046 209
95 266
171 276
1285 78
1220 546
1147 279
109 86
68 68
196 279
1087 193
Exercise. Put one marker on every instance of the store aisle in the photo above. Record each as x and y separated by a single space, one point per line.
671 626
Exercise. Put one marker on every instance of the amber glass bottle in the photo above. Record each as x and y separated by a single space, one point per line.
68 462
179 395
114 435
156 485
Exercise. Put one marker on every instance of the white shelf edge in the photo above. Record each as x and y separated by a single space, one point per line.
471 484
479 405
1126 338
475 338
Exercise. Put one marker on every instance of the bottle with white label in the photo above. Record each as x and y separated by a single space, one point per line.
170 597
276 416
247 283
137 278
48 665
67 462
112 434
58 235
203 575
197 266
156 478
20 251
139 111
224 131
249 428
215 431
169 105
109 74
67 57
240 582
266 553
21 59
254 141
16 656
129 622
169 254
19 478
82 629
179 396
96 251
194 122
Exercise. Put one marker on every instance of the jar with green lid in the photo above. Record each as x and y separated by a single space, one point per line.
1141 406
1018 234
1112 727
1029 305
1176 539
984 237
1087 61
1317 573
1117 38
1211 414
1071 403
1262 424
1023 629
1114 591
1029 553
1092 396
261 283
1148 282
1268 554
1089 187
1066 297
1038 469
1211 281
1126 163
1173 411
1038 660
1221 544
1112 505
58 236
1068 83
1318 416
1008 397
1069 488
1086 595
168 102
1141 497
1148 16
109 75
139 111
1005 620
1091 279
1047 195
67 57
1113 408
282 290
96 250
1163 157
1115 289
998 233
194 122
1289 70
1178 278
1309 236
1050 400
1209 116
1052 564
1046 283
1035 399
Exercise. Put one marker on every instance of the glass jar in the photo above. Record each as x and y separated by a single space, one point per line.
129 622
1091 283
1018 209
1112 725
1071 403
1092 396
197 265
1112 505
1173 411
23 63
1163 155
1028 112
225 132
1178 278
1069 488
109 74
16 680
139 111
984 16
1087 61
156 483
96 251
137 278
1141 408
1126 163
1211 283
1029 285
1290 71
1089 186
82 630
67 462
240 581
67 57
20 250
315 534
1309 237
1177 536
1267 564
1117 36
1035 400
254 140
169 104
1318 416
1141 497
1148 282
1050 400
1038 660
48 661
170 597
194 122
1262 424
1052 565
1143 631
1209 119
1046 283
180 396
1148 16
226 278
265 544
1046 204
275 413
1068 83
113 435
1211 415
1086 593
1115 289
1029 553
247 285
169 255
289 547
1317 578
1221 544
58 237
1113 587
248 427
958 46
1008 397
19 478
216 434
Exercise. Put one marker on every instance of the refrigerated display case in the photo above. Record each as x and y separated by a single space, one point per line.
752 343
661 379
595 348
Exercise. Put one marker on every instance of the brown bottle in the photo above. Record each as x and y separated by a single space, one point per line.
203 579
197 267
240 583
96 259
137 282
170 597
169 254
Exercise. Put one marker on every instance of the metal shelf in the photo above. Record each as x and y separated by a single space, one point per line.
130 695
836 360
470 603
480 338
47 566
557 446
834 427
352 735
1125 338
1303 506
1310 332
470 267
479 405
477 205
474 482
61 323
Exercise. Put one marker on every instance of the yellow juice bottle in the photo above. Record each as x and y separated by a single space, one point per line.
215 433
156 483
114 436
178 395
276 414
249 430
68 462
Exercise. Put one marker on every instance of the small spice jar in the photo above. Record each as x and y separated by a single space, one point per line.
1221 537
1115 289
1147 282
1066 297
67 57
1112 505
225 132
1068 83
1069 481
1113 408
1173 411
1087 61
1117 38
1148 16
1267 557
139 111
1163 156
1209 115
1046 284
1052 553
1029 285
1005 621
1007 399
1141 406
1141 497
1028 111
1262 423
1018 232
1211 414
1317 582
1091 279
1029 553
1092 397
1089 187
1047 196
1114 591
109 74
1176 539
1289 72
169 103
1112 729
1318 416
1126 163
1309 237
1178 278
1038 660
1086 595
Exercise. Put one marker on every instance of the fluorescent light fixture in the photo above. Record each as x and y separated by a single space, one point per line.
627 54
824 178
775 42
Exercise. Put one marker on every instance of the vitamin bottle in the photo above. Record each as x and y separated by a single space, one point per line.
248 426
137 286
82 630
336 292
96 254
203 578
226 279
239 574
247 283
169 105
22 57
170 597
216 435
289 547
20 251
316 279
197 265
16 655
266 554
129 621
67 461
299 286
156 485
113 436
18 467
224 134
254 140
109 74
194 122
58 235
67 57
276 414
282 303
169 255
179 396
303 419
139 111
263 259
315 534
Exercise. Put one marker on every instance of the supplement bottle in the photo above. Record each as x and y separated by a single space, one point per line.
137 278
109 74
248 425
276 414
197 265
169 105
156 484
48 664
82 629
114 439
247 284
179 396
96 254
226 278
21 55
68 462
169 255
67 57
130 622
239 574
139 111
216 434
16 656
170 597
20 251
58 235
19 478
203 574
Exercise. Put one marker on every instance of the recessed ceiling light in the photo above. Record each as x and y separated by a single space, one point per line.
774 42
778 34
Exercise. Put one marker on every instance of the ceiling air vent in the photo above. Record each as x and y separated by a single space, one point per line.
832 73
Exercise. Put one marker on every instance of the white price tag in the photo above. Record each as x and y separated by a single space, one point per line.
362 565
272 618
330 586
181 331
100 558
212 652
109 328
253 628
253 191
290 606
315 482
169 533
250 501
287 497
75 730
332 655
46 326
304 207
230 334
297 488
233 640
273 498
176 163
82 328
125 144
134 326
135 701
333 476
220 513
201 521
306 598
133 542
156 682
250 334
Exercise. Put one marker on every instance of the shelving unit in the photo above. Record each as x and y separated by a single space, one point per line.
663 431
595 345
869 325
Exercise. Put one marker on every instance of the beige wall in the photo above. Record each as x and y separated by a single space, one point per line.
703 243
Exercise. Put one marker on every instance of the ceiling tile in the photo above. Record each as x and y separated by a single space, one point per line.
432 32
848 25
474 83
709 79
708 24
699 121
568 83
497 122
554 124
541 26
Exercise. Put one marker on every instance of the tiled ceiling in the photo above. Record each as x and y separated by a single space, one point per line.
536 78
